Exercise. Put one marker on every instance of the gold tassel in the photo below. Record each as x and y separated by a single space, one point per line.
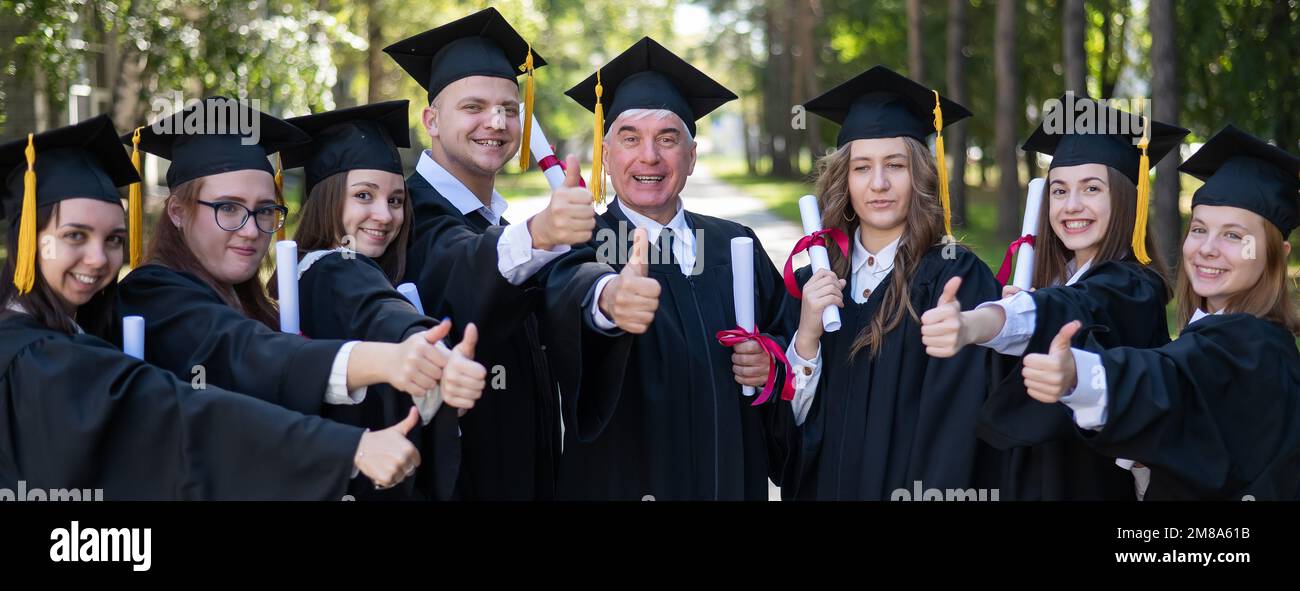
135 203
597 176
25 272
279 194
942 165
527 68
1143 200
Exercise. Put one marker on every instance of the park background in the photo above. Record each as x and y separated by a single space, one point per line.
1202 63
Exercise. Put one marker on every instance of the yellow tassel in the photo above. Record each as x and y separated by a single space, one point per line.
1143 200
25 273
527 68
597 176
279 193
135 203
942 165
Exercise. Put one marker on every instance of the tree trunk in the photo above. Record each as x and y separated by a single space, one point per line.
374 52
1166 220
776 103
915 61
1008 114
806 72
1076 58
955 138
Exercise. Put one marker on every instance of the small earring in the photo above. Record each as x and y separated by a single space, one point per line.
851 217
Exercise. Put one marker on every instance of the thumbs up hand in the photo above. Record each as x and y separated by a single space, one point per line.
569 218
387 457
1049 376
943 330
632 298
463 379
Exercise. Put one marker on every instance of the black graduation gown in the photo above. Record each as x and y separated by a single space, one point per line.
510 441
75 412
350 298
187 324
668 420
1045 459
879 424
1214 414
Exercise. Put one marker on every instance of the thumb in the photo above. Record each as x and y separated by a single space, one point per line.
950 291
468 341
572 174
1061 343
437 333
636 264
411 420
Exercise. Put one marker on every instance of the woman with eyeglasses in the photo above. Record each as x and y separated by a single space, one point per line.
207 315
77 413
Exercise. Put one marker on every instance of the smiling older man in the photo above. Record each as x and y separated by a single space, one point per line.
672 424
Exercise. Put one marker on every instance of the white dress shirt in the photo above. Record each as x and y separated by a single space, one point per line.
1022 314
517 260
869 269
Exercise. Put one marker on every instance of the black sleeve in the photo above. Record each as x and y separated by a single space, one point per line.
85 415
1216 409
349 297
187 325
777 316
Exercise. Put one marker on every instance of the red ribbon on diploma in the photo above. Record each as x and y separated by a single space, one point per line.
551 161
1004 272
735 336
817 238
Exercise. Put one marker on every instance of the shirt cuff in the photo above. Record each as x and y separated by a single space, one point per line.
1021 314
806 375
517 260
598 318
1088 400
338 393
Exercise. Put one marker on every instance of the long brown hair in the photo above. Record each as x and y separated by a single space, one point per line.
168 248
95 316
1051 256
320 224
1269 299
922 230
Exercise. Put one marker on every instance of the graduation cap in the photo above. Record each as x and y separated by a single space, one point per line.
83 160
364 137
1084 138
481 44
216 135
645 76
881 103
1241 170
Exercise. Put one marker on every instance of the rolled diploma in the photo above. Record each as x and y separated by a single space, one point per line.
541 148
812 222
1024 274
133 336
742 285
286 278
412 294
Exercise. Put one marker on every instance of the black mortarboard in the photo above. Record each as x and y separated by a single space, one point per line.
1241 170
83 160
648 76
216 135
882 103
364 137
481 44
1076 140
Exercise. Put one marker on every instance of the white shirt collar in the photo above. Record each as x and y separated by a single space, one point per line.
456 192
1076 274
1199 314
653 228
884 259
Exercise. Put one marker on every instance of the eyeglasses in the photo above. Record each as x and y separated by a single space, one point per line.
232 216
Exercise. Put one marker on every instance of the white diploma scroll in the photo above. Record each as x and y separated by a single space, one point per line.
1024 275
431 402
812 222
133 336
742 285
286 278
